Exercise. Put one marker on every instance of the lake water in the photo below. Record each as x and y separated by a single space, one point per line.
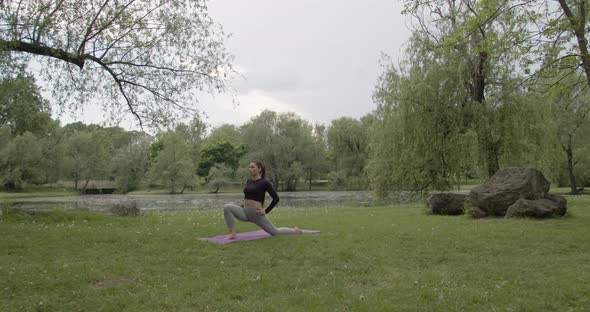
209 201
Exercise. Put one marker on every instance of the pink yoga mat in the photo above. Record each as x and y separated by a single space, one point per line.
246 236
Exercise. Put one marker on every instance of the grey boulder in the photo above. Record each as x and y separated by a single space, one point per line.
550 206
506 187
444 203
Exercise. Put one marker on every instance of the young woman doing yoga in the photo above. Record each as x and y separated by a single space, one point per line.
251 209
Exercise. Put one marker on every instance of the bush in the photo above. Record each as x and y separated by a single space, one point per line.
129 209
5 208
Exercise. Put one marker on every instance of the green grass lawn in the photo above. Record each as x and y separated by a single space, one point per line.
366 259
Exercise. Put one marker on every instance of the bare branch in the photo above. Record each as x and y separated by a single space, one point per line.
41 27
109 23
90 26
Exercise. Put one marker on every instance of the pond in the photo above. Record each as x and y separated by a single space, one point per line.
209 201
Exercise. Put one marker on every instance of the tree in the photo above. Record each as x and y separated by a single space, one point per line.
87 157
347 145
490 41
577 13
282 141
22 108
130 165
122 138
145 57
5 136
315 162
571 133
457 105
557 39
194 133
564 76
219 176
173 166
430 134
570 108
79 126
219 153
20 162
53 151
225 133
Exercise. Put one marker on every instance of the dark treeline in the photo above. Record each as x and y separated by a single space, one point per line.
348 154
36 149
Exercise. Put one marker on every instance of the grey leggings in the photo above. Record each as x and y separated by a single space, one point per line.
248 214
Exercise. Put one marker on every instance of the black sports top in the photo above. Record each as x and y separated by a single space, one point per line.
255 190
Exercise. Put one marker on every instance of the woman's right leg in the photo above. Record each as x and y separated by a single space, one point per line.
230 211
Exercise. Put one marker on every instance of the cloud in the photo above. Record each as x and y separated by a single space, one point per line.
222 109
268 80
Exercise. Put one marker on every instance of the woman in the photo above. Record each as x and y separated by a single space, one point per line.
251 209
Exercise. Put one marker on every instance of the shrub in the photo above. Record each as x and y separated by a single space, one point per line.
129 209
6 207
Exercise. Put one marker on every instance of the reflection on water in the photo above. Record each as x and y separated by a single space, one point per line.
208 201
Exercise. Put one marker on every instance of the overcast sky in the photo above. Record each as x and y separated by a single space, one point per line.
319 59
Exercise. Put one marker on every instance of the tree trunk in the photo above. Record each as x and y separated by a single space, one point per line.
84 187
291 184
570 165
492 149
493 163
310 176
216 190
277 182
479 79
9 186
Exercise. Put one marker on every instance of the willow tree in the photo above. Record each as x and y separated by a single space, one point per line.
173 167
456 105
573 111
568 98
418 140
347 140
490 38
87 155
130 165
21 162
563 79
315 162
148 58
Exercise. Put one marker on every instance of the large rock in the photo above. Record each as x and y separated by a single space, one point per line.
477 213
547 207
506 187
446 203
